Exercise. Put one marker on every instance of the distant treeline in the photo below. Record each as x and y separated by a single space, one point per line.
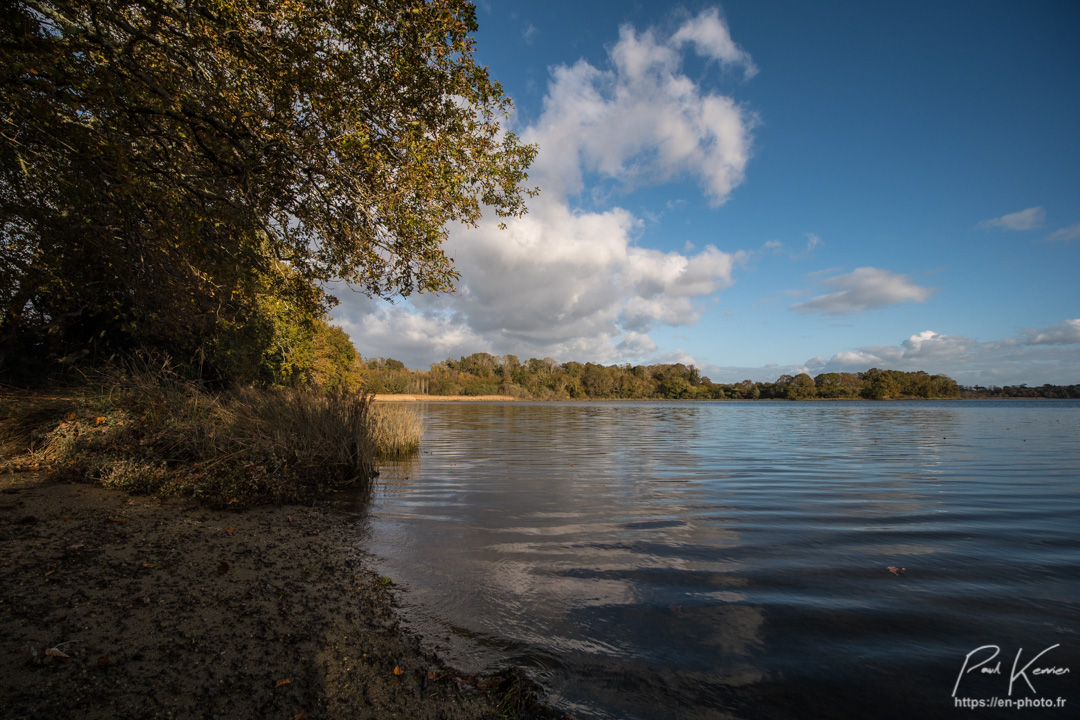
484 374
1056 392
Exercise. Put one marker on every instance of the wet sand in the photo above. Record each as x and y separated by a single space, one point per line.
136 607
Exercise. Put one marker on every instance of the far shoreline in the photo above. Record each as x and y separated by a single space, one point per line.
413 397
416 397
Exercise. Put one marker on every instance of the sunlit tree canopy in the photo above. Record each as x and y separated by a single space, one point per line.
165 165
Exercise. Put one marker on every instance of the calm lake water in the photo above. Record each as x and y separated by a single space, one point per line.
711 560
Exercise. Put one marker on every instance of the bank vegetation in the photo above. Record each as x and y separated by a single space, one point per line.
482 374
188 180
147 430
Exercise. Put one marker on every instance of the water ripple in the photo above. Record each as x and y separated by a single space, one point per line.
732 559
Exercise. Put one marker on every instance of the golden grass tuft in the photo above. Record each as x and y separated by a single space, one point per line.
396 430
143 429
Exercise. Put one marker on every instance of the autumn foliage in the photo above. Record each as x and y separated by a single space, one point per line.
547 379
184 177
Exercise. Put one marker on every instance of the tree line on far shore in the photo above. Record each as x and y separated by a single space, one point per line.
1046 391
547 379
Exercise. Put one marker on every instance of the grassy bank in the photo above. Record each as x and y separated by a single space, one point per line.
148 431
177 607
413 397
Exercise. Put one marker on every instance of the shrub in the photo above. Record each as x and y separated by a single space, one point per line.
146 430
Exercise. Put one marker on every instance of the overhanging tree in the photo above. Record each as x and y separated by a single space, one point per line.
164 164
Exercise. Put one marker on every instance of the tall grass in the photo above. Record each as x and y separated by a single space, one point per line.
396 431
144 429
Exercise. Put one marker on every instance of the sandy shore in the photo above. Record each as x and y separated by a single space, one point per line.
120 607
442 398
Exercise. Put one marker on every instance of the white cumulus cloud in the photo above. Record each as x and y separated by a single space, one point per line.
572 283
642 120
1037 356
711 38
1030 219
864 289
397 331
1064 333
1048 355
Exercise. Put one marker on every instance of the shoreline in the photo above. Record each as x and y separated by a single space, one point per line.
414 397
135 606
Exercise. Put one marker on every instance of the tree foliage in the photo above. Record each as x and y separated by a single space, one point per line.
1044 391
165 165
484 374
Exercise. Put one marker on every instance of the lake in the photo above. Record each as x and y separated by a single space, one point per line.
747 559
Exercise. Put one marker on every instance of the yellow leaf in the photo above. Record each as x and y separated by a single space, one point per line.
398 670
280 683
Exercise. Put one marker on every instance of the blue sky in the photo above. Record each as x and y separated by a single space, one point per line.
761 188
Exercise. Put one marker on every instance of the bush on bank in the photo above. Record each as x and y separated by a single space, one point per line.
150 431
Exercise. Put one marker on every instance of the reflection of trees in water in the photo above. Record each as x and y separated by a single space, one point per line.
687 556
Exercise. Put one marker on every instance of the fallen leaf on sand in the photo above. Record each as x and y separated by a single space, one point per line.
148 565
229 529
49 573
104 660
302 715
57 653
281 683
897 571
398 670
118 521
79 546
68 517
223 568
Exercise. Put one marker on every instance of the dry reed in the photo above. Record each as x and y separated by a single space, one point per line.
144 429
396 431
